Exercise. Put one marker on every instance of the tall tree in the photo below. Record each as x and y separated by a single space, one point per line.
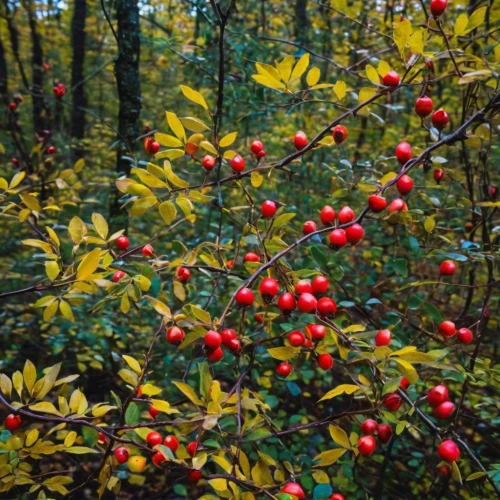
3 74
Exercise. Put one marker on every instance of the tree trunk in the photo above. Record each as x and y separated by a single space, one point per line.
301 21
3 75
77 76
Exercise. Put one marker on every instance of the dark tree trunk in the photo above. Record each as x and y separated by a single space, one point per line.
3 75
78 42
301 21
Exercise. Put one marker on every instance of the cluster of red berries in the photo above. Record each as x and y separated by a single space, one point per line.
151 146
296 490
394 401
18 99
59 90
257 148
122 243
438 399
369 428
448 329
339 134
424 107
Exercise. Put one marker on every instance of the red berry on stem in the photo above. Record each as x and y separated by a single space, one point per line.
325 361
303 286
12 106
398 205
384 433
208 162
227 335
155 147
192 447
183 273
464 336
234 345
175 335
158 459
440 119
245 297
216 355
391 79
309 227
444 410
447 329
444 470
339 134
256 147
403 152
147 250
118 276
338 238
296 338
51 150
154 438
251 257
317 332
327 215
346 215
122 243
300 140
326 307
383 338
194 476
319 285
438 175
393 402
354 233
171 442
437 395
268 209
337 496
287 303
284 369
259 318
404 184
213 339
404 384
424 106
237 164
448 451
377 203
369 427
12 422
269 288
261 154
153 411
293 489
121 454
447 268
437 7
366 445
307 303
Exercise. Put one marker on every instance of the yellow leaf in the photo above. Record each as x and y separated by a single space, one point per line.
45 407
100 225
173 178
268 81
167 211
89 264
133 363
476 19
17 179
159 306
77 229
45 384
125 304
284 353
188 391
31 202
17 380
268 70
383 68
80 450
53 236
171 154
78 166
185 205
176 126
372 74
101 409
408 370
150 390
261 474
142 205
46 247
388 177
339 436
256 179
66 311
29 375
179 291
313 76
340 89
5 385
128 376
416 41
328 457
194 124
50 311
208 146
285 67
70 439
194 96
341 389
52 269
402 33
168 141
223 463
366 93
32 437
429 224
78 402
218 484
228 139
461 25
300 67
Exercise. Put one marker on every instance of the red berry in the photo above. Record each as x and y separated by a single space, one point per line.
444 470
440 119
269 288
366 445
213 339
316 331
423 106
325 361
326 307
300 140
308 344
192 447
337 496
437 395
338 238
405 184
261 154
158 459
383 338
256 147
147 144
175 335
268 209
437 7
354 233
227 335
259 318
369 427
327 215
234 345
122 243
245 297
403 152
391 79
171 442
251 257
384 433
183 273
447 268
194 476
287 303
404 384
284 369
237 163
154 438
15 161
296 338
319 285
438 175
12 106
46 67
346 215
393 402
13 422
309 227
307 302
147 250
377 203
447 329
153 411
155 147
216 355
398 205
118 276
51 150
208 162
121 454
448 451
339 134
464 336
444 410
303 286
293 489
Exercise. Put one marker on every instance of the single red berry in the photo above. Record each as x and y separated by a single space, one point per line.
437 395
437 7
293 489
171 442
346 215
303 286
245 297
175 335
284 369
337 496
216 355
192 447
369 427
320 285
101 438
153 411
118 276
438 175
208 162
440 119
447 268
444 410
183 274
444 470
377 203
147 250
12 106
147 144
398 205
155 147
300 140
12 422
326 307
354 233
403 152
268 209
391 79
121 454
338 238
261 154
237 164
256 147
259 318
384 433
327 215
296 338
366 445
191 149
339 134
317 332
158 459
404 184
404 384
287 303
448 451
392 402
46 67
309 227
308 344
194 476
213 339
51 150
154 438
227 335
234 345
325 361
423 106
447 329
122 242
251 257
269 288
307 303
383 338
464 336
15 161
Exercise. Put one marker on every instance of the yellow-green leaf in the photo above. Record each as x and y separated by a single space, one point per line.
341 389
339 436
268 81
89 264
29 375
329 457
133 363
228 139
194 96
283 353
176 126
100 225
167 140
66 311
45 407
194 124
402 33
52 269
340 89
188 391
430 224
313 76
300 67
80 450
372 74
173 178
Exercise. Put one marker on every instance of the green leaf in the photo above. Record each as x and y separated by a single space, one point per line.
133 414
282 219
80 450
